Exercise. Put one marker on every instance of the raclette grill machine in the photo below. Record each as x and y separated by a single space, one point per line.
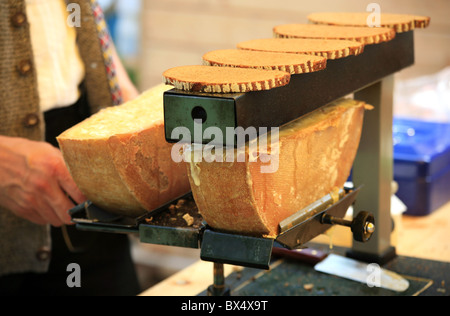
370 77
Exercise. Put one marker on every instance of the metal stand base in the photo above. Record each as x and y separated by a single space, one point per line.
380 259
214 291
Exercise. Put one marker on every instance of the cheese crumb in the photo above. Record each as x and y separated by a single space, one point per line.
189 219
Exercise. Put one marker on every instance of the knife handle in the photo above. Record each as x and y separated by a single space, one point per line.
306 255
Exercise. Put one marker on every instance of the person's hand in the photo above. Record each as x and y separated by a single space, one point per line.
35 182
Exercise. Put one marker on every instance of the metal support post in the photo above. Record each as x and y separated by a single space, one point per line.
373 168
218 288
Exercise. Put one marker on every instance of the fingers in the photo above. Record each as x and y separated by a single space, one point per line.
52 205
58 212
61 195
55 213
33 209
51 208
34 217
55 185
66 182
69 186
35 182
28 214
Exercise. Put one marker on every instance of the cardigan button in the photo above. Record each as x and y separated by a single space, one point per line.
31 120
19 19
43 254
24 67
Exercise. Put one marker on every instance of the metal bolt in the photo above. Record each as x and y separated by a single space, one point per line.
362 226
369 228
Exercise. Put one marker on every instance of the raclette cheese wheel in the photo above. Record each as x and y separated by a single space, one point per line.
120 160
399 22
365 35
292 63
316 154
331 49
201 78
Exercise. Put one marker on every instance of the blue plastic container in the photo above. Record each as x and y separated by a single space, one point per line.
422 164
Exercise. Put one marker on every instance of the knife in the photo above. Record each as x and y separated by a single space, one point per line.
370 274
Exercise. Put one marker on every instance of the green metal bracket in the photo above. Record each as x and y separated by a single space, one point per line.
236 249
169 236
181 110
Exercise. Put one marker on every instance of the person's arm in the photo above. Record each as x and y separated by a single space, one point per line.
35 182
129 90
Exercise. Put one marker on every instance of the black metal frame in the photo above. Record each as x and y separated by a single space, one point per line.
305 93
216 246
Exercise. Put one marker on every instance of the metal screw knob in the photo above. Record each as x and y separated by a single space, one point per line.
362 226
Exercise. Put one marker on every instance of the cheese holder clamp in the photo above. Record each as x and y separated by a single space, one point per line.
366 75
160 227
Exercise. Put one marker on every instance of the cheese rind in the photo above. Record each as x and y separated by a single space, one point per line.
120 160
316 154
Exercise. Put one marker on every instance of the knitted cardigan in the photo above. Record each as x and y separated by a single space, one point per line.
22 244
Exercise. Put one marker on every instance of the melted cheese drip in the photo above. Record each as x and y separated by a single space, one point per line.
195 173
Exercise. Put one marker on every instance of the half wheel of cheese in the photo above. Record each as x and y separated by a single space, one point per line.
311 157
120 160
399 22
292 63
201 78
331 49
365 35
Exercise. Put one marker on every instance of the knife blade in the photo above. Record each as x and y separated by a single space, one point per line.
370 274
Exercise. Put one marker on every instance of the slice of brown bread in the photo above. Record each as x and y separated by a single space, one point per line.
365 35
200 78
331 49
421 22
292 63
399 22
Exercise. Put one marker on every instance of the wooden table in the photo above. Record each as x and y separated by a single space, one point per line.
425 237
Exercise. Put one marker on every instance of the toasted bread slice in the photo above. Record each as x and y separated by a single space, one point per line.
365 35
398 22
292 63
330 49
200 78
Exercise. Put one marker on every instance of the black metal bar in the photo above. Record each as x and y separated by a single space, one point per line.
313 226
331 220
305 92
169 236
